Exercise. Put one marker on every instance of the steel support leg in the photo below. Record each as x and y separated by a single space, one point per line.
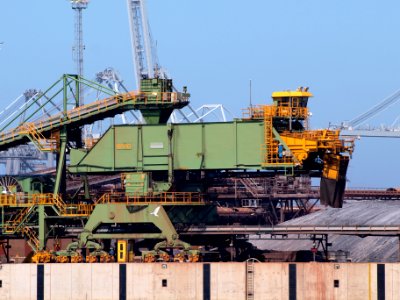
42 227
60 185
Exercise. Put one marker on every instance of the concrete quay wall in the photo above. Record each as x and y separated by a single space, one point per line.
200 281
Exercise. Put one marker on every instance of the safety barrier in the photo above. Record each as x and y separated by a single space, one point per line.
174 198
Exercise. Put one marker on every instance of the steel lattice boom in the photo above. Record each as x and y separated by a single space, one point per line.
143 50
79 47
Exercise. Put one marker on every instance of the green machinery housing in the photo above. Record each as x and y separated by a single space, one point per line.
164 170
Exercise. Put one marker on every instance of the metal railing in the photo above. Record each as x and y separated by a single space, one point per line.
80 209
22 199
78 113
258 112
161 198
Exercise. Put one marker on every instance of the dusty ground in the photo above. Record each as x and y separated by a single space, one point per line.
366 213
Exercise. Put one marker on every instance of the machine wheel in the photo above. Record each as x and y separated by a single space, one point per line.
194 257
106 258
91 259
62 259
165 257
76 259
149 258
42 257
179 257
9 185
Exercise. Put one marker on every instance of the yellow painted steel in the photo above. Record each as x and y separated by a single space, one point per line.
167 198
332 166
42 257
298 144
26 204
297 93
28 200
260 111
43 144
122 251
124 146
31 235
301 144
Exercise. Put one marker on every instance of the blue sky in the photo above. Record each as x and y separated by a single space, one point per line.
347 52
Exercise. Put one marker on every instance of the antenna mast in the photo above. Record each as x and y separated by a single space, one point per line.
78 6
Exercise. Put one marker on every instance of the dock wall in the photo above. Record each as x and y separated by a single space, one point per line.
200 281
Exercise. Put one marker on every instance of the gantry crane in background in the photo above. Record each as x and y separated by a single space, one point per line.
143 48
354 126
145 60
26 159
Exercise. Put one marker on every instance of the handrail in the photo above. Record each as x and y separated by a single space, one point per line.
259 111
25 200
162 198
115 101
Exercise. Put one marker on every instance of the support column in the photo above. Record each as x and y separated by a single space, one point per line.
86 187
60 186
282 212
42 227
398 253
5 244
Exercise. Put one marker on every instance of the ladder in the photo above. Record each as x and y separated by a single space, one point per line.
269 142
250 279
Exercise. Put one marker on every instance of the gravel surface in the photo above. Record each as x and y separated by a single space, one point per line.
366 213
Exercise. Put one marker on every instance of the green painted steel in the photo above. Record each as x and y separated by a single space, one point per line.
231 145
150 156
43 230
155 104
65 87
156 111
119 213
137 183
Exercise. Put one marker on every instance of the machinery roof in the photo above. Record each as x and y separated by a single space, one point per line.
297 93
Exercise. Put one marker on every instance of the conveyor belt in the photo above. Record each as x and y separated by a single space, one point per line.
86 114
345 230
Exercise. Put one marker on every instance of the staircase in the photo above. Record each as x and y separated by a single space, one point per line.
273 151
17 225
254 188
38 139
269 142
59 204
31 237
13 225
